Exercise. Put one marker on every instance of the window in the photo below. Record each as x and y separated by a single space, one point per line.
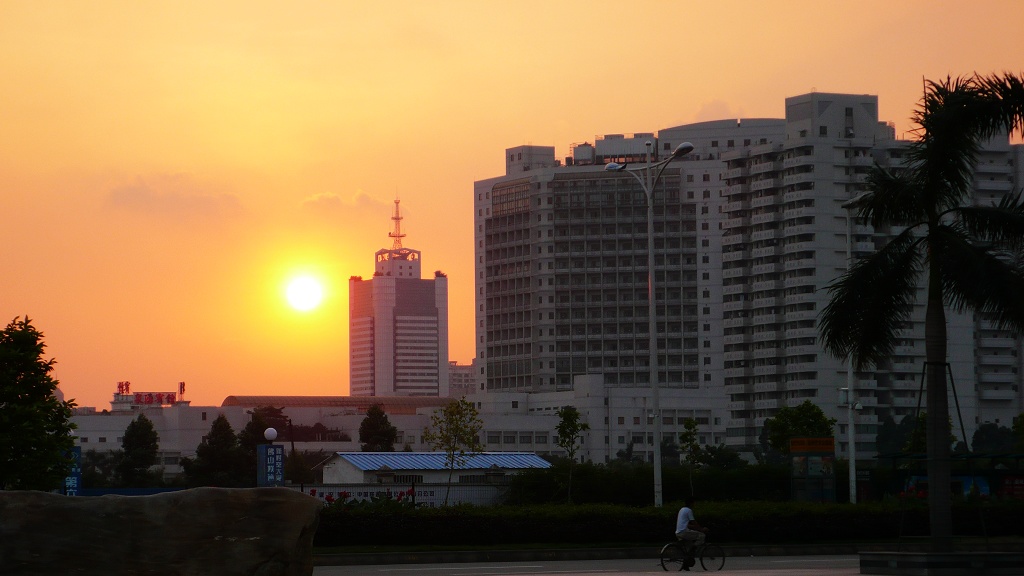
706 178
622 420
515 404
85 440
636 422
408 478
493 438
541 439
525 439
510 438
714 143
103 438
170 460
689 177
823 131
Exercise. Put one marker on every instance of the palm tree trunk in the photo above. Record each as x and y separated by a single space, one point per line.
937 423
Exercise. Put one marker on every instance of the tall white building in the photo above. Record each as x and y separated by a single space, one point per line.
749 231
398 326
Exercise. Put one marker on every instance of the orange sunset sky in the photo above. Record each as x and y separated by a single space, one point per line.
167 167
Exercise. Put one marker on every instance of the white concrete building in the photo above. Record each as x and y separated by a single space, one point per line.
749 231
398 326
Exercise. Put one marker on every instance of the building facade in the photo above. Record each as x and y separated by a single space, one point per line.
398 326
749 232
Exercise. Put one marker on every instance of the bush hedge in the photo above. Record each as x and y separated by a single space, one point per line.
603 524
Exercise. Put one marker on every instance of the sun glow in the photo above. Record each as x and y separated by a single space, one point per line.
304 293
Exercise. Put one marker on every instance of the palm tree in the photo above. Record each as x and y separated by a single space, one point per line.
970 257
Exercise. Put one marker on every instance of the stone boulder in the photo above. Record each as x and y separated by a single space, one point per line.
214 531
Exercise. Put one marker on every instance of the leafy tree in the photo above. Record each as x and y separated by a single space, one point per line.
1018 433
99 469
689 446
218 461
454 430
803 421
139 446
721 457
254 434
892 437
296 469
991 438
916 440
35 427
569 436
376 433
969 257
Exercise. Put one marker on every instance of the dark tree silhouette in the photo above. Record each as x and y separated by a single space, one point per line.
376 433
35 427
969 257
139 447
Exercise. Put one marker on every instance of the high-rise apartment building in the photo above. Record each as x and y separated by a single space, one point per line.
749 231
398 326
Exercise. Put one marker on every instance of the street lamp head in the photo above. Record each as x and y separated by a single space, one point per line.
682 150
614 167
853 202
270 434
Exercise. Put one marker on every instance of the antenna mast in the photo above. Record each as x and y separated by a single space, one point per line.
397 234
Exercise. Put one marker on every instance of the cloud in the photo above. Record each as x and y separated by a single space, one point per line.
332 206
176 198
716 110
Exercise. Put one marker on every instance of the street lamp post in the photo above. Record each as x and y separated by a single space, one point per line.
651 174
851 435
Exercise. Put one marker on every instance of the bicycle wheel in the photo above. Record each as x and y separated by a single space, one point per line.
672 557
712 557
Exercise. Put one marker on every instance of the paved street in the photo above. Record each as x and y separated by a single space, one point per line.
744 566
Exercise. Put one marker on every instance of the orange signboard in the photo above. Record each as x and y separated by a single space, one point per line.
812 445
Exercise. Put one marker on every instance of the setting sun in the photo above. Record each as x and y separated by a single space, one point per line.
304 293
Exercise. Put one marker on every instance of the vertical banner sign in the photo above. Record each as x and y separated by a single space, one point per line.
73 481
269 465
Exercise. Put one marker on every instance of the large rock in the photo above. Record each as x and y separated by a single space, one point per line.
215 531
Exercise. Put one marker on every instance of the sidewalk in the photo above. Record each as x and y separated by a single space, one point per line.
527 555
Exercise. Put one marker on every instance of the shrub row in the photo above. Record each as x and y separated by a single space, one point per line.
731 522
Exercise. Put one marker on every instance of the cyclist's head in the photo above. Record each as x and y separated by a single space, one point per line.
689 501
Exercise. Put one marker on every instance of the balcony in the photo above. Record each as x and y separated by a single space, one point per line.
734 256
733 339
766 251
736 306
794 195
737 222
736 272
999 360
762 167
996 343
997 394
763 235
797 161
791 179
761 201
736 173
997 378
765 184
766 218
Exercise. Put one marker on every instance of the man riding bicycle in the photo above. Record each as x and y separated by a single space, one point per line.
689 532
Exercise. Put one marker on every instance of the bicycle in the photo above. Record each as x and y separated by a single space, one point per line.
674 556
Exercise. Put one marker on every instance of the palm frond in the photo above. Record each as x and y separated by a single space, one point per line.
896 198
978 277
954 121
871 302
1004 95
1001 225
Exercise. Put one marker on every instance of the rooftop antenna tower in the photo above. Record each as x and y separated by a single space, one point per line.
397 234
